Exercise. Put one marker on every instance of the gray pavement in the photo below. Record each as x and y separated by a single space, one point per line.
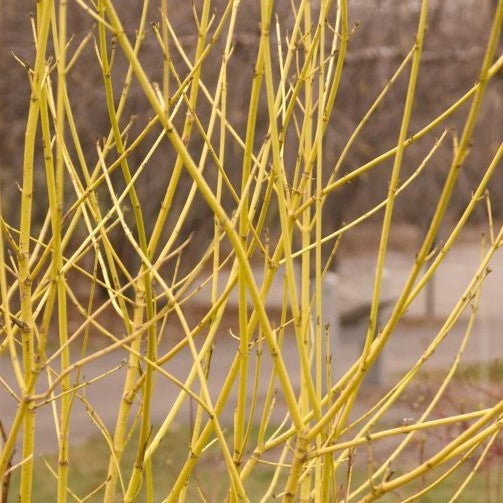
355 276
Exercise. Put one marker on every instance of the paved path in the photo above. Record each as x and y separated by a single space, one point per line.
405 345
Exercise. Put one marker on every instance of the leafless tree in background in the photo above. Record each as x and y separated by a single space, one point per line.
381 37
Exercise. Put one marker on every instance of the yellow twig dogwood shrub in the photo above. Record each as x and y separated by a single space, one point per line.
185 244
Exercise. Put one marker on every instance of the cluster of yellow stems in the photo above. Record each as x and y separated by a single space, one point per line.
298 82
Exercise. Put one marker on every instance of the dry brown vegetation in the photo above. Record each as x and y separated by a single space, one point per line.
381 36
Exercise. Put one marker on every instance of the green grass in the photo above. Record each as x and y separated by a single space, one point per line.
88 470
